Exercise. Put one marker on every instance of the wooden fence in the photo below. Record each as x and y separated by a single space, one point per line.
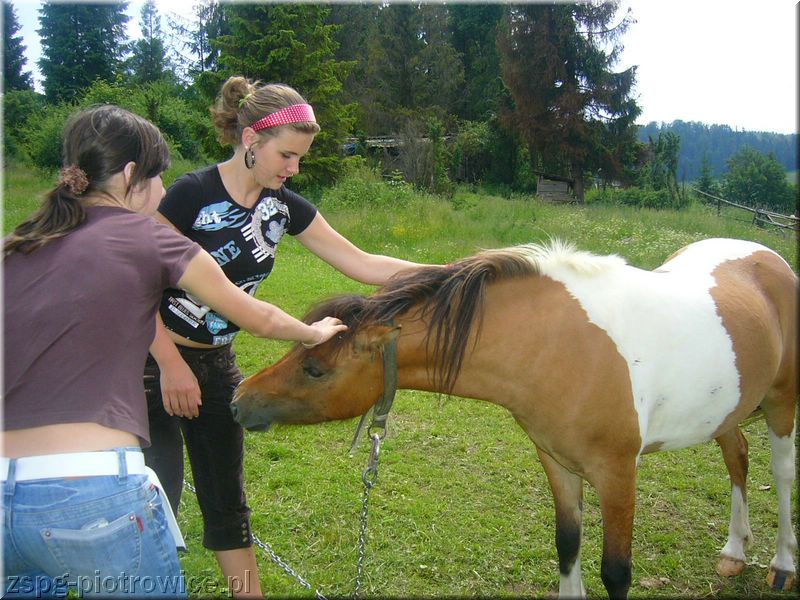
761 216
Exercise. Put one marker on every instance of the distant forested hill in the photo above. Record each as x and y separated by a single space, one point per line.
720 142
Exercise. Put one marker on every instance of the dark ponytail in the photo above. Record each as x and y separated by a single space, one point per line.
98 143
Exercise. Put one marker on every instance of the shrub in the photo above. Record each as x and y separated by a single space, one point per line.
470 154
39 137
43 136
360 187
18 106
636 197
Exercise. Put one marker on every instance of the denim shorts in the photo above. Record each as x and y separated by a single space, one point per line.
214 443
100 535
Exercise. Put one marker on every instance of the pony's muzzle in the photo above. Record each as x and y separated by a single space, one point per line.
246 418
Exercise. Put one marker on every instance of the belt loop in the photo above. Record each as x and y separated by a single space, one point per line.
11 480
123 464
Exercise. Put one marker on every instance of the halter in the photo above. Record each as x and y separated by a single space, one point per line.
380 411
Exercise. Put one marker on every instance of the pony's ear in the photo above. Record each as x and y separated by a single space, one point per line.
372 339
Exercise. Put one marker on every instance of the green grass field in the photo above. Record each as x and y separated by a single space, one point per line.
462 506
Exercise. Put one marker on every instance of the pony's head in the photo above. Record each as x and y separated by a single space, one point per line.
343 377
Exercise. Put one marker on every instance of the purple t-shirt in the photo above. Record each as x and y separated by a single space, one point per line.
79 317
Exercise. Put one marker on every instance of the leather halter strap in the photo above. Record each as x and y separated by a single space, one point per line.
380 411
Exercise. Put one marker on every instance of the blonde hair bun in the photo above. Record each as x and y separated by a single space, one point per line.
242 102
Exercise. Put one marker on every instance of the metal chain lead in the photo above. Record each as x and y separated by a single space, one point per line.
286 568
274 557
370 478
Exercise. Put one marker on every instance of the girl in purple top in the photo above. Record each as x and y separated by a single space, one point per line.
83 279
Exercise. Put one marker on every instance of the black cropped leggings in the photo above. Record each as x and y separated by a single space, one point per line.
214 443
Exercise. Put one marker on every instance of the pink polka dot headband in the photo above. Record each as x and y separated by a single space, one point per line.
296 113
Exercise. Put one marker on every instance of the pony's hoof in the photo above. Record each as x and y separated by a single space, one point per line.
780 580
729 567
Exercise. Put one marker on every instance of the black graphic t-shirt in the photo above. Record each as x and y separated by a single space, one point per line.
243 242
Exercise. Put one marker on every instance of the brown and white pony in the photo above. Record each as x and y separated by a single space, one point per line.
598 361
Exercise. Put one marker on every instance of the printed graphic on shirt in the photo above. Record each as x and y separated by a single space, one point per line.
226 254
219 216
189 309
193 312
243 243
267 227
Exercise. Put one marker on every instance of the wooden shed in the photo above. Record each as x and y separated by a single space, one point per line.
551 188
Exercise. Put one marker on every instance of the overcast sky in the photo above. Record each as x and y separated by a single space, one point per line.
728 62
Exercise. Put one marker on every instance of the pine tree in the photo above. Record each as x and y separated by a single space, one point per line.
14 78
705 183
353 26
80 44
474 30
149 60
194 37
571 108
290 43
390 47
412 71
438 73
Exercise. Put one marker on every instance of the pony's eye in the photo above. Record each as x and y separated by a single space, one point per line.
313 370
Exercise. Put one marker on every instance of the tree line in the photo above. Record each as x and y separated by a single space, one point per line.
498 94
718 143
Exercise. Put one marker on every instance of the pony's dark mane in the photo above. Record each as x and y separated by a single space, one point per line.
450 298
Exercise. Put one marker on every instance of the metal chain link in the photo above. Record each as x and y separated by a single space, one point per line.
370 478
286 568
274 557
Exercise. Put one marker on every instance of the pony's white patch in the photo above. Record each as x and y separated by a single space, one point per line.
565 255
783 471
571 584
739 533
665 325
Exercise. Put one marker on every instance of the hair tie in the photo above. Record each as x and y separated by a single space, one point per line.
244 100
74 178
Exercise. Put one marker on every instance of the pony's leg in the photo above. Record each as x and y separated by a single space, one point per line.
781 567
567 491
616 491
732 557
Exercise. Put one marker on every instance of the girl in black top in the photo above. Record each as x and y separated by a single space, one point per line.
238 211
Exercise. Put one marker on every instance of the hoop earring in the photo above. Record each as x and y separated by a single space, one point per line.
249 158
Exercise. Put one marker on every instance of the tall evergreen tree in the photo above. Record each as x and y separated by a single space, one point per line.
14 78
661 171
354 25
149 61
570 106
438 73
413 70
474 28
290 43
705 182
194 49
80 44
389 73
